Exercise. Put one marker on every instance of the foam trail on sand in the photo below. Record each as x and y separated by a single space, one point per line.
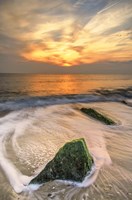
34 135
18 181
14 126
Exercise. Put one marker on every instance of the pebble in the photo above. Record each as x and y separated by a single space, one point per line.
51 195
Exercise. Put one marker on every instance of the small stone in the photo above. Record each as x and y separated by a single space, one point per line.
51 195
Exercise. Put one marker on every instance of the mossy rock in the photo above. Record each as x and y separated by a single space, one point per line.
72 162
98 116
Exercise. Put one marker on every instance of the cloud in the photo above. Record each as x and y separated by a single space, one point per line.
108 7
67 33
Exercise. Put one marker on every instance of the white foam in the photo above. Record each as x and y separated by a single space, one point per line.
16 179
43 131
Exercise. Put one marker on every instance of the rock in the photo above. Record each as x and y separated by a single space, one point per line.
72 162
127 102
98 116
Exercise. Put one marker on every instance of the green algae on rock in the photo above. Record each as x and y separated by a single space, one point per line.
72 162
98 116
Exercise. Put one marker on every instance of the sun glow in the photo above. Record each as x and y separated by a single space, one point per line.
64 34
80 51
77 45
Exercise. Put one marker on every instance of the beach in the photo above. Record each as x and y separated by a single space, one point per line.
34 128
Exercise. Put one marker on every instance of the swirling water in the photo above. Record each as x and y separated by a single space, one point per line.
38 114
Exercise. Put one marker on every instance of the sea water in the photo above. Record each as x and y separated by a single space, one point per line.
40 113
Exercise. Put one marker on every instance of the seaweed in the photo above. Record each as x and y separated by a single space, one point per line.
98 116
72 162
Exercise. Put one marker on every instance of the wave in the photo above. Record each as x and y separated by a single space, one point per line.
119 92
117 95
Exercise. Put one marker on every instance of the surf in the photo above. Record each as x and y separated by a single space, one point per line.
30 137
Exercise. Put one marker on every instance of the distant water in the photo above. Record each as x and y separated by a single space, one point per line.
24 90
40 113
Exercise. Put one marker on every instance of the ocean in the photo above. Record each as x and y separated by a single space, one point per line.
40 113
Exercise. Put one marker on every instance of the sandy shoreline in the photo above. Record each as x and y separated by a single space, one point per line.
46 129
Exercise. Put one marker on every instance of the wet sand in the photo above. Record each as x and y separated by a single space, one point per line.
40 132
4 113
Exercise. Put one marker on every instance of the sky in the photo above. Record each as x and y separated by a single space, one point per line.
66 36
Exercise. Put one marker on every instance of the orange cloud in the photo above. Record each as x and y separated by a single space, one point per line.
59 33
86 48
65 43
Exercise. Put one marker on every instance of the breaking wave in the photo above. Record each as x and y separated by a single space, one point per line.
95 96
